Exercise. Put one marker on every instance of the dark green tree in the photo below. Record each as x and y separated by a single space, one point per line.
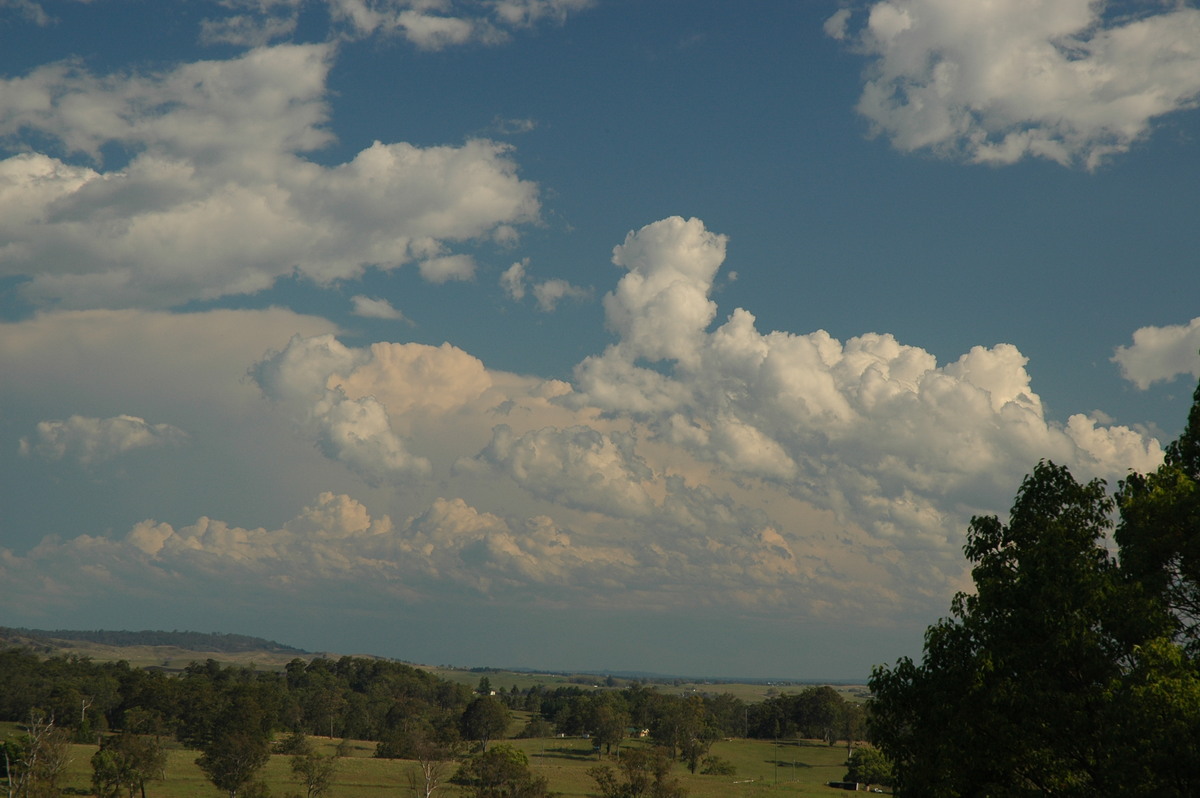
696 732
869 766
819 712
608 722
484 719
640 772
1012 696
1159 531
502 772
232 760
537 727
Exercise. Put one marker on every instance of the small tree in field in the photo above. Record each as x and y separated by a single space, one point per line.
36 761
434 762
484 719
315 772
231 761
502 772
640 773
125 763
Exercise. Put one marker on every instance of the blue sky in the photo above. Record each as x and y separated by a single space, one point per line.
681 336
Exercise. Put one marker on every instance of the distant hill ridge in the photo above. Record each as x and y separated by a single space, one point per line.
192 641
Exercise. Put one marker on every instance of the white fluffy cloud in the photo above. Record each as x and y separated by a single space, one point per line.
1161 354
997 82
437 24
591 508
579 467
306 379
217 198
548 293
447 268
336 548
665 428
375 308
91 440
870 428
695 462
426 24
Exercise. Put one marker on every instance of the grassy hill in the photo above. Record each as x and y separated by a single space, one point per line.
169 650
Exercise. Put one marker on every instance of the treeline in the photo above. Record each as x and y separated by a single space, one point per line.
349 697
233 715
195 641
386 701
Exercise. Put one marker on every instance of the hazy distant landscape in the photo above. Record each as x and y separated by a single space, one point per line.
175 650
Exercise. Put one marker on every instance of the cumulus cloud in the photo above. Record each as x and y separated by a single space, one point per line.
659 308
170 365
217 198
426 24
579 467
336 547
512 280
870 428
999 82
375 308
696 461
356 431
29 10
1160 354
91 440
586 476
548 293
445 23
447 268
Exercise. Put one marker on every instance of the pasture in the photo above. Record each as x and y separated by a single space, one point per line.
764 768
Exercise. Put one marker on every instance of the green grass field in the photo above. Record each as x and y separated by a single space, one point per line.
763 768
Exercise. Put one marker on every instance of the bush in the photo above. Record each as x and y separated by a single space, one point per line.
716 766
295 744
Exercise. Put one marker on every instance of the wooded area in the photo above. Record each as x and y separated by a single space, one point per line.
234 717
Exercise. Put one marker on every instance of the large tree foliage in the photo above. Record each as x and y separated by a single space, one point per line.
1021 669
237 743
1069 671
232 760
484 719
1159 531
